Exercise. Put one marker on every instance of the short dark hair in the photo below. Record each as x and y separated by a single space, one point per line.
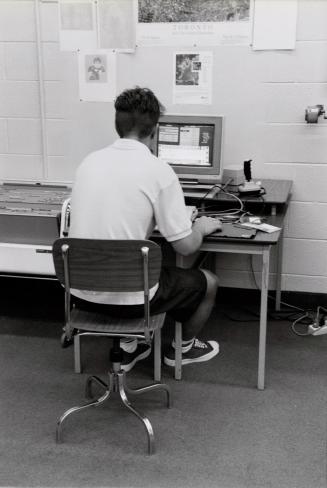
137 110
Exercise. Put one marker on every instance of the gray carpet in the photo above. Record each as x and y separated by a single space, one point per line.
221 432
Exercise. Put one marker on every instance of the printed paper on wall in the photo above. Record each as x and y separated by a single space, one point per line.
97 75
117 21
77 25
196 23
192 77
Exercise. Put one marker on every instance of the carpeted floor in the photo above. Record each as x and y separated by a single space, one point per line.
221 432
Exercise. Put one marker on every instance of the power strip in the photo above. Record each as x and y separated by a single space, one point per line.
319 326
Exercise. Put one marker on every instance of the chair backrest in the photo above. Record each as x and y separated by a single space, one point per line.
107 265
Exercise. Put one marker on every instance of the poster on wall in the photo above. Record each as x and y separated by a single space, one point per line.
192 77
77 25
97 75
193 22
117 21
274 24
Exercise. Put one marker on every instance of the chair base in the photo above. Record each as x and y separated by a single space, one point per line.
117 384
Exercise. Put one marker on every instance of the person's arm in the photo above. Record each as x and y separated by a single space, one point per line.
192 243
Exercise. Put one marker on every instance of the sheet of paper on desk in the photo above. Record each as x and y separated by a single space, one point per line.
263 227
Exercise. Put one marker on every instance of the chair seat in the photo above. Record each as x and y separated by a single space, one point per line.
102 322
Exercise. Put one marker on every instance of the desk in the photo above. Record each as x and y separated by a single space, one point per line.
276 200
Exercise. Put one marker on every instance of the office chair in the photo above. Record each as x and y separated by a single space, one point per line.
64 222
68 339
110 265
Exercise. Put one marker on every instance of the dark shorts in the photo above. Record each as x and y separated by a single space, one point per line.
179 294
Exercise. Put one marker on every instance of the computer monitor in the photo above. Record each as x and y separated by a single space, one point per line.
192 145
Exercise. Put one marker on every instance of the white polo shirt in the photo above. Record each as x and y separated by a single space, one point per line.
123 192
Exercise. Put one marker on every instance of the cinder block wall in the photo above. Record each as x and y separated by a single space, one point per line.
262 95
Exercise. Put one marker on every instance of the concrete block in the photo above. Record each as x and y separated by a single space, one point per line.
309 284
24 136
21 61
58 65
307 221
19 99
241 262
57 102
244 124
61 169
2 61
303 64
312 20
243 279
3 136
305 257
20 167
59 137
17 21
49 22
309 180
52 64
305 143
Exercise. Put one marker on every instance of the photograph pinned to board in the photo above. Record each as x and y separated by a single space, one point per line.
194 23
97 75
117 21
192 77
77 25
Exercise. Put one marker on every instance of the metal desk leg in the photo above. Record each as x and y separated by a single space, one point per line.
279 271
263 318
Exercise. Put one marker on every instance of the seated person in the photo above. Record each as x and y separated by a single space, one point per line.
122 192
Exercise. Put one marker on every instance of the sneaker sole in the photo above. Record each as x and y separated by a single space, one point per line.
129 366
202 359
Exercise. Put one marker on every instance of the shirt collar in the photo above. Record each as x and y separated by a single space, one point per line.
124 143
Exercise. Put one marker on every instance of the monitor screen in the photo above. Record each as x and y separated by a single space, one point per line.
191 144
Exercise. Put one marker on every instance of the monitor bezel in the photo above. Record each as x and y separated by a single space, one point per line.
198 174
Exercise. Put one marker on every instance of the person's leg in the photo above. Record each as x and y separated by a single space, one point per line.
188 296
194 350
196 322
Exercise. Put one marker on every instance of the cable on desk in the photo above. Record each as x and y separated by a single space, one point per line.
220 213
207 193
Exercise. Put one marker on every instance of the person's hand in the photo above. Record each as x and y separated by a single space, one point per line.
207 225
